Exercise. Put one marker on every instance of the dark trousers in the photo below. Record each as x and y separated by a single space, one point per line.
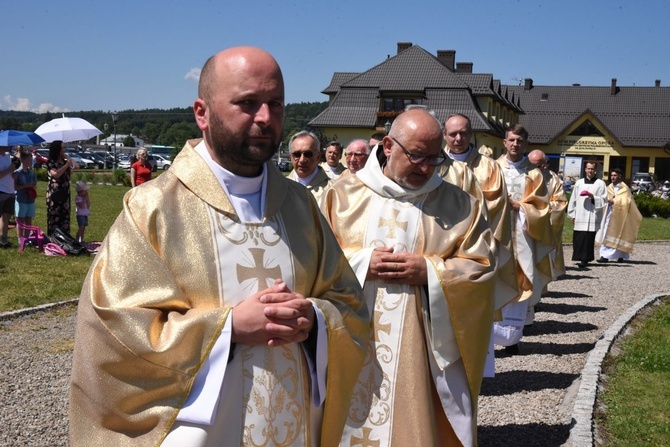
583 245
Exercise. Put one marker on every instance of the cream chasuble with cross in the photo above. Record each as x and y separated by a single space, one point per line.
423 370
158 299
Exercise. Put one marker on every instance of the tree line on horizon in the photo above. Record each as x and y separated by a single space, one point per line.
166 127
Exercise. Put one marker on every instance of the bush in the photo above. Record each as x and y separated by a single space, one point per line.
651 205
119 177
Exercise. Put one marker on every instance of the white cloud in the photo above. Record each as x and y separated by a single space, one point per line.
24 105
193 74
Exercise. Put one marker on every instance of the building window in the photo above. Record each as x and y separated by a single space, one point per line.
399 104
586 129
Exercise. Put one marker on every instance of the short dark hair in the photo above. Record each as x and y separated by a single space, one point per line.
517 129
207 79
54 150
617 171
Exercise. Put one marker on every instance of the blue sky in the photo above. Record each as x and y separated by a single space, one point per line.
73 55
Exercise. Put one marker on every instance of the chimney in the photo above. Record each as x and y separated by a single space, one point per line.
447 57
402 46
613 88
464 67
657 83
528 84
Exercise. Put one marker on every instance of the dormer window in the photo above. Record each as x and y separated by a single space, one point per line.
545 97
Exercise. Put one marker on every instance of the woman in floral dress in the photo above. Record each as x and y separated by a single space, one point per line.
59 168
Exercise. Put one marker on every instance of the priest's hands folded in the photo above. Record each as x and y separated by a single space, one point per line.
397 268
274 316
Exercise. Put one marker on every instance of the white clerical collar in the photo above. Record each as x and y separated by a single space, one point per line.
307 180
460 157
515 164
247 194
372 175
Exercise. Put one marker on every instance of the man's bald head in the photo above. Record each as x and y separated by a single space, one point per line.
214 72
240 108
537 158
417 121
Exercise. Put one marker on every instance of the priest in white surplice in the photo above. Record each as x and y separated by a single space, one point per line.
220 310
426 258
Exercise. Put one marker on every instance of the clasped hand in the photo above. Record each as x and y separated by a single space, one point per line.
274 316
397 268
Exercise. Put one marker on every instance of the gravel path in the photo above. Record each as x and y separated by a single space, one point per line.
528 403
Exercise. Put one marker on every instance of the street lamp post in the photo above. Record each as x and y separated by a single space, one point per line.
106 127
115 116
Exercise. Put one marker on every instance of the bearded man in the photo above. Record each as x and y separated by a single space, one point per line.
220 309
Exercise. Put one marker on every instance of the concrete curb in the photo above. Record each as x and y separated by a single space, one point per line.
31 310
581 434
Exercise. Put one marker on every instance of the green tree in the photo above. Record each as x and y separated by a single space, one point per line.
129 141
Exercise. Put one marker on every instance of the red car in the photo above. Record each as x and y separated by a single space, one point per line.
39 159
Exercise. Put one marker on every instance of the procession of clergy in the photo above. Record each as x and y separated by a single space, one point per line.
230 306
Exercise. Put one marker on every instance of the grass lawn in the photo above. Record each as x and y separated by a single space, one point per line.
31 278
634 408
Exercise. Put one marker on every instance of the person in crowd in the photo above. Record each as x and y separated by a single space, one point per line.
244 324
6 194
59 169
140 171
557 203
491 181
375 139
531 235
356 155
25 183
83 207
304 152
426 259
332 166
466 165
585 208
621 221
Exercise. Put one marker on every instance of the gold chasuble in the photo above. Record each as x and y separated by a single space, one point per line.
533 240
624 221
558 201
491 190
318 184
159 293
422 374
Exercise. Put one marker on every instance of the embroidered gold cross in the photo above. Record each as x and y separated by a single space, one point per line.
365 441
379 327
392 223
258 271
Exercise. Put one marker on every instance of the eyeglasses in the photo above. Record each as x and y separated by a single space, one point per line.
356 155
418 159
297 154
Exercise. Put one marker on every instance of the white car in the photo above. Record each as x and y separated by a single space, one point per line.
159 162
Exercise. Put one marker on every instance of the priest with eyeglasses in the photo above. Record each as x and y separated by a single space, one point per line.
425 256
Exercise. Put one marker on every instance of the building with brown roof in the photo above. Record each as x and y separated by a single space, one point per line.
624 127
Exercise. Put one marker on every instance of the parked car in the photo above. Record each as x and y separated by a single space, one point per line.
643 181
158 162
40 157
84 163
284 165
124 164
99 160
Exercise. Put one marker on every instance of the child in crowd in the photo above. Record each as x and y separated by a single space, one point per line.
83 203
25 183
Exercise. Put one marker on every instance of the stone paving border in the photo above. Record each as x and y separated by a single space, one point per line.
31 310
582 433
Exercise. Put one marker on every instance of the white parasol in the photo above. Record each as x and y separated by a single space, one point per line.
67 129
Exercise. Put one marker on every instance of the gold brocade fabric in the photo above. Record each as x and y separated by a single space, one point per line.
558 202
491 188
625 220
152 305
532 194
318 184
394 401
